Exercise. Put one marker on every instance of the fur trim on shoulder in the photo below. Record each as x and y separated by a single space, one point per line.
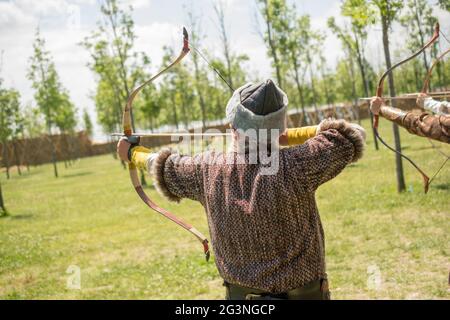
158 173
350 132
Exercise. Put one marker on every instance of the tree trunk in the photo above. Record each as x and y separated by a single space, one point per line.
313 89
26 158
226 46
55 168
398 159
354 95
6 158
300 92
16 157
362 70
174 108
421 35
416 78
3 211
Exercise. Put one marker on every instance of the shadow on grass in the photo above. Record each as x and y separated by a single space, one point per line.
80 174
17 216
430 147
21 216
441 186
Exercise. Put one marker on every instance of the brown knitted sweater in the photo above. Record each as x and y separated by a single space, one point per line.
265 229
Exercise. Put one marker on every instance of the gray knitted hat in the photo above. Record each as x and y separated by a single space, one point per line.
258 106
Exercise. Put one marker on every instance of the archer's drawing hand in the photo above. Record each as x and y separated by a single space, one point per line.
375 105
421 99
123 147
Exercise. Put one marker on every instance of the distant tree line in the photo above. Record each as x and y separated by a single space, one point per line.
191 92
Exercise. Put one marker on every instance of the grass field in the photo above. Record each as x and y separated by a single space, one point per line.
380 244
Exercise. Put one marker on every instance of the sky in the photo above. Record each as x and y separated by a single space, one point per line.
64 23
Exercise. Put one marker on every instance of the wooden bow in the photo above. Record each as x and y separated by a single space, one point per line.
435 36
134 139
425 88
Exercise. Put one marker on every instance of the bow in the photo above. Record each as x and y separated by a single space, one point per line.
426 179
425 88
134 140
426 83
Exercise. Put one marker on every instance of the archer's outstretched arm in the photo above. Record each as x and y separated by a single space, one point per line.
140 156
175 175
435 127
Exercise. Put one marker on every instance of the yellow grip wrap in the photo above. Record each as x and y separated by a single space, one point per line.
139 157
296 136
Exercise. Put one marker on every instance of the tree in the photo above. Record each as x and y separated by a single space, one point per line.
270 10
118 67
9 108
18 127
66 122
354 39
50 96
292 47
419 22
444 4
220 14
201 78
3 211
388 10
88 127
3 134
312 41
115 63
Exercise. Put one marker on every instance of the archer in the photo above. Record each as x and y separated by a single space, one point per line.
266 229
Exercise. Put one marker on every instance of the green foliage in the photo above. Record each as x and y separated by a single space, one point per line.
52 99
445 4
10 119
418 19
388 8
117 67
360 12
88 127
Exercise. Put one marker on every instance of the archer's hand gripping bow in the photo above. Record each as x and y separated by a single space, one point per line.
134 140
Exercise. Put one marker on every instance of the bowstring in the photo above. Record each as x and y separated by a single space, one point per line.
443 35
447 157
211 66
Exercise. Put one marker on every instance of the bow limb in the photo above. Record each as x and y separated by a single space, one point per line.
426 83
425 89
435 36
128 132
415 54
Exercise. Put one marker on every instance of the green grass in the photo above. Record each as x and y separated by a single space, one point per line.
90 217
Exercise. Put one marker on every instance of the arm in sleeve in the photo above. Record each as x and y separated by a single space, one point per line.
296 136
424 125
142 157
178 176
436 107
337 144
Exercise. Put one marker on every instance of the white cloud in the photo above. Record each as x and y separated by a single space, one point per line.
136 4
11 15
